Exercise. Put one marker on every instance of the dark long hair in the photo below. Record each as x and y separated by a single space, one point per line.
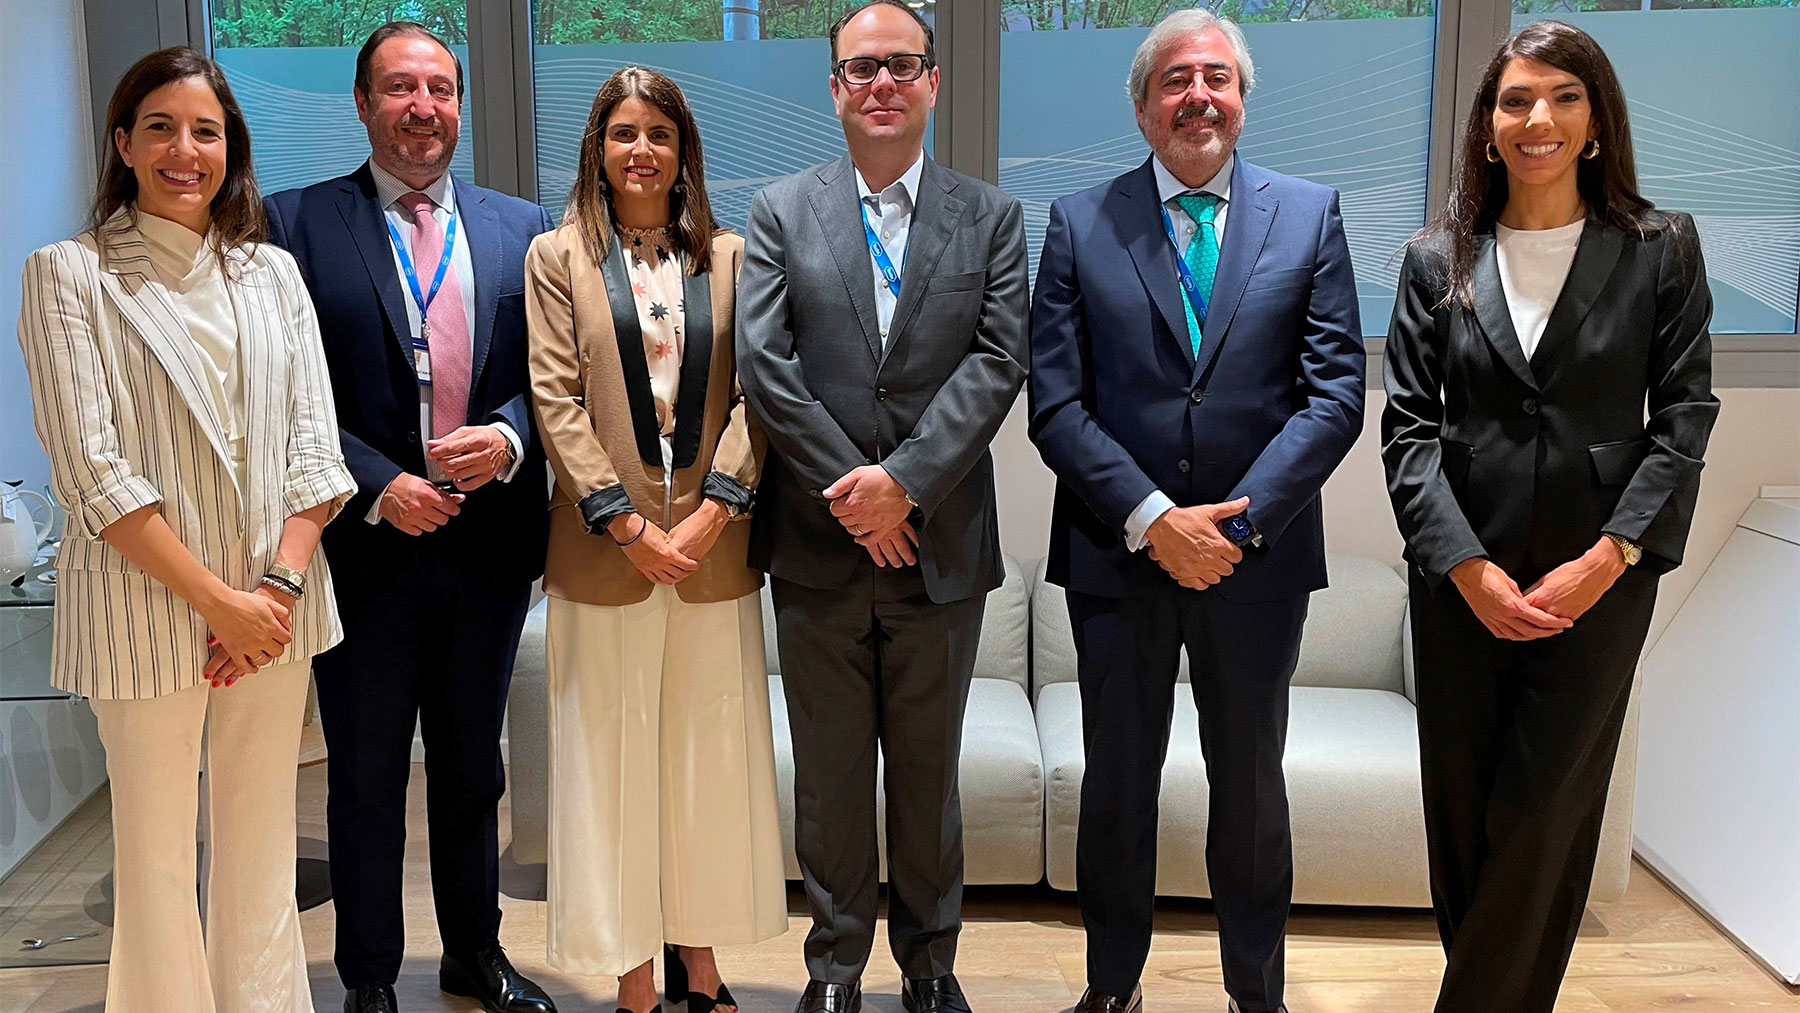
1478 188
590 199
236 210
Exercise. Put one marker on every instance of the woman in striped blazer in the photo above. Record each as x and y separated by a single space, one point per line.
180 390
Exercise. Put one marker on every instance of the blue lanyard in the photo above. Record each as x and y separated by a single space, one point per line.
879 252
1196 299
422 298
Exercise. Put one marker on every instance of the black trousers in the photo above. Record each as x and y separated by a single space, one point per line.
877 663
1517 741
1240 657
431 646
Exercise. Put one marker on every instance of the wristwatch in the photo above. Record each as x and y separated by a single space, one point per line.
287 579
1629 551
1238 528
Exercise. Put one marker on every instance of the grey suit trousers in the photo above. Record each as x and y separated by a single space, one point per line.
876 664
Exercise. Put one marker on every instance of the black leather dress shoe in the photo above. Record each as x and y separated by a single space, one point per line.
1100 1002
488 977
825 997
933 995
371 999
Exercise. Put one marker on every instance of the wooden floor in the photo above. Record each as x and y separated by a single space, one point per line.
1021 952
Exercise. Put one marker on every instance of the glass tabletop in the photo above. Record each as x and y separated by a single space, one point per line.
36 589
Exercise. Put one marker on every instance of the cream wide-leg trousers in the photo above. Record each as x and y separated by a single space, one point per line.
249 958
663 823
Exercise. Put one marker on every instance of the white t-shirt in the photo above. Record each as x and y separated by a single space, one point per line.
1533 267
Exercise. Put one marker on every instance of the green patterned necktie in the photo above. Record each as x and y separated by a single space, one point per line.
1202 255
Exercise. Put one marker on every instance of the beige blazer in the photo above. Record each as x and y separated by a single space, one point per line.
592 422
121 407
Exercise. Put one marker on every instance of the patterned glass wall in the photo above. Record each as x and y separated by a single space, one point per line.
292 67
1344 102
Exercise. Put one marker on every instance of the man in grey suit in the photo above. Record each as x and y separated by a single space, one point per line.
881 340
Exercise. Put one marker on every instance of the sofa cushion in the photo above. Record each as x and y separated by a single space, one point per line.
1352 637
1002 786
1005 630
1353 789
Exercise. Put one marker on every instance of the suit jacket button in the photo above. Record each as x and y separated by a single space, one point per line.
1183 466
412 436
1197 395
816 493
1530 406
881 393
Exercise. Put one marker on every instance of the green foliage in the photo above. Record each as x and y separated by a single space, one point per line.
255 23
242 23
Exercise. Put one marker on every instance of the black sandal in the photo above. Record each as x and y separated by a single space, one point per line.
675 986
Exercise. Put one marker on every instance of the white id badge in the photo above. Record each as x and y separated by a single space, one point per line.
422 361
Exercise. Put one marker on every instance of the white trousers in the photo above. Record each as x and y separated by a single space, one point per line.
249 958
663 823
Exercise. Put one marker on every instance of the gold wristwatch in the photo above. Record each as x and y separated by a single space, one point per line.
1630 551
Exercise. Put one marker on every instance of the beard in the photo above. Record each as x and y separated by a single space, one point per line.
402 153
1177 146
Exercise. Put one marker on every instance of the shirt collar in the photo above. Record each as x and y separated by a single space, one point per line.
389 189
908 182
1168 187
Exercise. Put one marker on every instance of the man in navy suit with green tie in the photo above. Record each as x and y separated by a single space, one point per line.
1196 375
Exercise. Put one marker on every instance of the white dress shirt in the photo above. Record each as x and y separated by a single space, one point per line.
1168 187
1533 267
389 189
890 212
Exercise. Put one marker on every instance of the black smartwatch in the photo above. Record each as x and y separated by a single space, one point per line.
1242 533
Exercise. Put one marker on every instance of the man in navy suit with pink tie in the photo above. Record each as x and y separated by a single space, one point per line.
1196 374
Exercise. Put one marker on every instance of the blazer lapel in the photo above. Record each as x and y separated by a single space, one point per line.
630 336
836 205
1152 252
126 278
367 222
486 256
937 212
1247 223
1493 314
696 361
263 335
1594 261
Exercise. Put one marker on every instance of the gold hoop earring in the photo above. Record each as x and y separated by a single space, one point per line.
1592 150
1493 153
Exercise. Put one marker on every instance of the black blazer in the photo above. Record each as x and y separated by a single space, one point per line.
812 367
335 231
1529 463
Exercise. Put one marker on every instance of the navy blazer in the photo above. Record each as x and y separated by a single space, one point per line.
1120 407
335 231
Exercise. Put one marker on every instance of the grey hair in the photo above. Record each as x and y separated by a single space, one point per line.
1179 25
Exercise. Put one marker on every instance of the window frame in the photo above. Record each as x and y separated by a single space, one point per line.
966 137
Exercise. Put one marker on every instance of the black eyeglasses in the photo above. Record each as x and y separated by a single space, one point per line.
902 67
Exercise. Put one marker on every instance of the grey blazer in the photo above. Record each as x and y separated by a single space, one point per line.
121 410
811 365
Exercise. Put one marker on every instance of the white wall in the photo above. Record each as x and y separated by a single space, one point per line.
1756 443
46 180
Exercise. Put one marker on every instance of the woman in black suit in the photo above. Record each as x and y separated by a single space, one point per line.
1536 317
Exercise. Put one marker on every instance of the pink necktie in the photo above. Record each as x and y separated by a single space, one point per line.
448 341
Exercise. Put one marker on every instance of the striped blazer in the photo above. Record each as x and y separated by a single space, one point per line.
121 406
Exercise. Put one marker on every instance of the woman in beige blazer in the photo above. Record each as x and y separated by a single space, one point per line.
662 773
180 390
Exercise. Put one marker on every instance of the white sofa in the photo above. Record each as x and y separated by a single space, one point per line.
1352 759
1352 756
